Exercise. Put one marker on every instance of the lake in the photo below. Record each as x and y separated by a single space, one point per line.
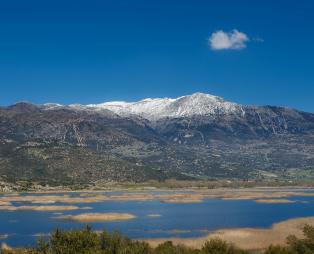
175 219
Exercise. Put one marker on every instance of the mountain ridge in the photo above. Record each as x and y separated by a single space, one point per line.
157 108
152 108
186 140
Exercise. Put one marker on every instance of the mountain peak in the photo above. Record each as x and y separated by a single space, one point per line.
202 95
24 107
157 108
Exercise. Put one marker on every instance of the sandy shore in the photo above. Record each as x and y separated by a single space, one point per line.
247 238
98 217
275 201
40 208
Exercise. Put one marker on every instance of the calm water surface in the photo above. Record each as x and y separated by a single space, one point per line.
182 220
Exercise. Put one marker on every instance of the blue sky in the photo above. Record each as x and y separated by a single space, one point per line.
95 51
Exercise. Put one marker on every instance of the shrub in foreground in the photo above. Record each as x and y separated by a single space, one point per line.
295 245
86 241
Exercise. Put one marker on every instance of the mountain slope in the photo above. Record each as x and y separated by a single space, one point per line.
195 136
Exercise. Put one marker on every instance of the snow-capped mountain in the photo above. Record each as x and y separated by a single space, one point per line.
198 135
157 108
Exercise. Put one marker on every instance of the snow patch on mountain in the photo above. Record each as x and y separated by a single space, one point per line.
157 108
185 106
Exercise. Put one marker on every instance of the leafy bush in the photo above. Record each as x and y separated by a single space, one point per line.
216 246
295 245
169 248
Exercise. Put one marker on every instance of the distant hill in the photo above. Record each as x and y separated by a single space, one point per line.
198 136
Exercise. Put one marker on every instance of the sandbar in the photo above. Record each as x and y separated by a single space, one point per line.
275 201
99 217
39 208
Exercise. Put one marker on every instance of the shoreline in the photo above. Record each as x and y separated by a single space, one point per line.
164 189
152 188
97 217
260 195
164 186
251 239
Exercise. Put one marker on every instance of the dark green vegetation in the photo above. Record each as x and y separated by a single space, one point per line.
66 146
88 242
295 245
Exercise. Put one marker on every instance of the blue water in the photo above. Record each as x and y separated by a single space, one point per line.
181 220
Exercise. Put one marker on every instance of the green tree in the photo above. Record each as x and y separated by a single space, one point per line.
217 246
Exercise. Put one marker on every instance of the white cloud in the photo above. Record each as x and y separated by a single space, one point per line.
221 40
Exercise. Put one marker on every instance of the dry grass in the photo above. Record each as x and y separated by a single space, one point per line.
4 203
132 197
47 202
247 238
46 199
176 196
39 208
99 217
196 196
275 201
